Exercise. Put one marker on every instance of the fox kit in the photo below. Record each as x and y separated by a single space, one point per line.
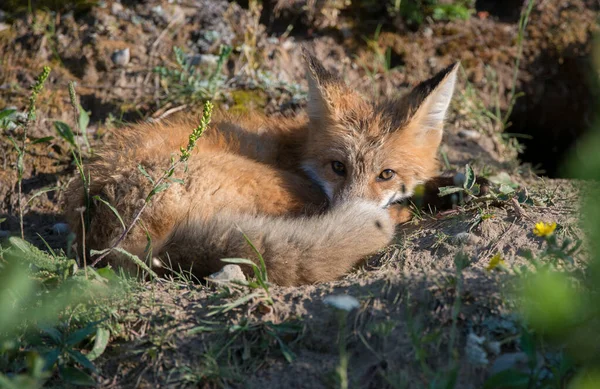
315 194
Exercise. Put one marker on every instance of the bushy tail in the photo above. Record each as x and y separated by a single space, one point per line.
296 250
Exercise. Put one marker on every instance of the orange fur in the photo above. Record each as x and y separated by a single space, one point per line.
273 179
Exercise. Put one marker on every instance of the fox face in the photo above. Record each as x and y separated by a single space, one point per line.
374 151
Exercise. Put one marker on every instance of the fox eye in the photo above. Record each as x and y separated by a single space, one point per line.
386 174
338 168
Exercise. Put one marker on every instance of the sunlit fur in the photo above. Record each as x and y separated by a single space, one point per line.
271 178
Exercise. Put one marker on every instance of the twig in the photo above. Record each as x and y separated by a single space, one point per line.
81 211
171 111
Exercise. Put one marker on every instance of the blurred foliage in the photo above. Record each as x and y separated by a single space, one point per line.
52 316
561 302
191 80
414 12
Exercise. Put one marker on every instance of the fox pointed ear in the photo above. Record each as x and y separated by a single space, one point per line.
323 88
430 101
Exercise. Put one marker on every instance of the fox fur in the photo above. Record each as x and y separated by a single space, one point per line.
316 194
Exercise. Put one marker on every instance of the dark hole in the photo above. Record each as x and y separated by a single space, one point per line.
556 110
508 11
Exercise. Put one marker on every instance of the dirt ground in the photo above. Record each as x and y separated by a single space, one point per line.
405 332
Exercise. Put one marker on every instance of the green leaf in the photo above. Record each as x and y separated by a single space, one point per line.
75 376
285 350
113 209
45 139
50 358
242 261
507 379
41 192
145 173
65 132
6 113
447 190
6 383
53 334
469 177
107 273
505 189
134 258
15 145
82 360
76 337
84 121
528 346
160 188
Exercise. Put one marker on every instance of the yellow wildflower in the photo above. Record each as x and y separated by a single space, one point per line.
495 262
543 229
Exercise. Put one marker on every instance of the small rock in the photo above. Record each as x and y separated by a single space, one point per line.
61 228
116 8
517 361
459 179
228 273
4 26
432 61
469 134
465 238
427 32
342 301
120 57
288 44
474 350
197 59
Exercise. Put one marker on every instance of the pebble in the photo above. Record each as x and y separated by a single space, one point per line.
342 301
120 57
61 228
459 179
515 361
465 238
427 32
469 134
116 8
228 273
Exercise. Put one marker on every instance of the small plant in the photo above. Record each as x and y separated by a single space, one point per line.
48 317
260 285
188 84
21 149
414 12
343 304
237 350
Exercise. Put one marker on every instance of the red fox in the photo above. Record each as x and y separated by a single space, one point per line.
315 194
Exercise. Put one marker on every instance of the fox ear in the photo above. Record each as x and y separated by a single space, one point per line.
323 88
430 101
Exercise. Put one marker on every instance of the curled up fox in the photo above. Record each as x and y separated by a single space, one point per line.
315 194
